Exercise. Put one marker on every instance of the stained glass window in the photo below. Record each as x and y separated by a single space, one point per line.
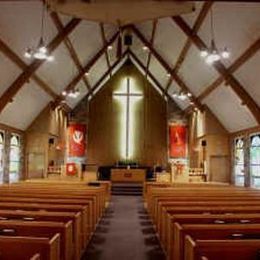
2 141
14 167
255 160
239 162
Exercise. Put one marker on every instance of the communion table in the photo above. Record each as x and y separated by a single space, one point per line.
128 175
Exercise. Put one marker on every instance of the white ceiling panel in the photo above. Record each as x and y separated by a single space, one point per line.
197 74
236 26
137 49
87 40
8 73
146 29
59 72
27 105
169 40
20 25
98 70
72 102
249 77
159 72
225 104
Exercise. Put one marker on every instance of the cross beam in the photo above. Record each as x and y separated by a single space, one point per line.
8 52
167 67
249 53
31 69
198 23
155 23
232 81
103 36
73 54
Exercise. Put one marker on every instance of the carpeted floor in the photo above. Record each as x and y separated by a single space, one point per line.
124 233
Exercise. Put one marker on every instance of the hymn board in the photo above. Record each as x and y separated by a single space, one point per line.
128 95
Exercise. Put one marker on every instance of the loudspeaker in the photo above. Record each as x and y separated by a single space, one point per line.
128 40
51 140
203 143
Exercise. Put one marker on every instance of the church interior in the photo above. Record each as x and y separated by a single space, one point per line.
129 130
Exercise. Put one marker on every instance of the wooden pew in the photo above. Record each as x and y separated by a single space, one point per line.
42 229
221 249
221 219
91 222
50 208
211 231
23 248
62 217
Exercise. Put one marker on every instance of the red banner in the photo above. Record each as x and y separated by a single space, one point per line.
77 146
177 141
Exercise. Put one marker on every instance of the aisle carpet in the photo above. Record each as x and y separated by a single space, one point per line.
124 233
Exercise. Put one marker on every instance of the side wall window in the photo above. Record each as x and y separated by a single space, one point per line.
14 165
239 162
255 160
2 146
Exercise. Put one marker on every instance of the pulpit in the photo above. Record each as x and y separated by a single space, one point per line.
128 175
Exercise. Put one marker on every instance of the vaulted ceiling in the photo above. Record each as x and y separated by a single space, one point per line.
230 88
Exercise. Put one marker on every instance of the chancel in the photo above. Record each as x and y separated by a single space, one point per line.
129 130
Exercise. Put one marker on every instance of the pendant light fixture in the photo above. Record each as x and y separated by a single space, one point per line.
40 52
212 54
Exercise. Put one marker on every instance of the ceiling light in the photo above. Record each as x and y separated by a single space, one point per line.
169 75
74 93
110 47
41 51
204 53
87 73
213 54
64 93
145 48
225 53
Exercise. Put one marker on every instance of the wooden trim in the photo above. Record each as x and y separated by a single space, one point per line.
249 53
73 54
231 80
11 129
166 66
31 69
198 23
9 53
247 131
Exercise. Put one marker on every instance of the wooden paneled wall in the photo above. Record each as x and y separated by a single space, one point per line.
150 141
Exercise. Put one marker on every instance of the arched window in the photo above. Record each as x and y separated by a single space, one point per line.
2 143
255 160
239 162
14 167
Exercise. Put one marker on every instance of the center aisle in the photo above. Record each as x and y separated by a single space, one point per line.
125 233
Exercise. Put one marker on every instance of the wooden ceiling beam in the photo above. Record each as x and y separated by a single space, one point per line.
197 25
230 79
73 54
103 36
235 66
86 68
155 23
167 67
107 73
91 63
9 53
31 69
